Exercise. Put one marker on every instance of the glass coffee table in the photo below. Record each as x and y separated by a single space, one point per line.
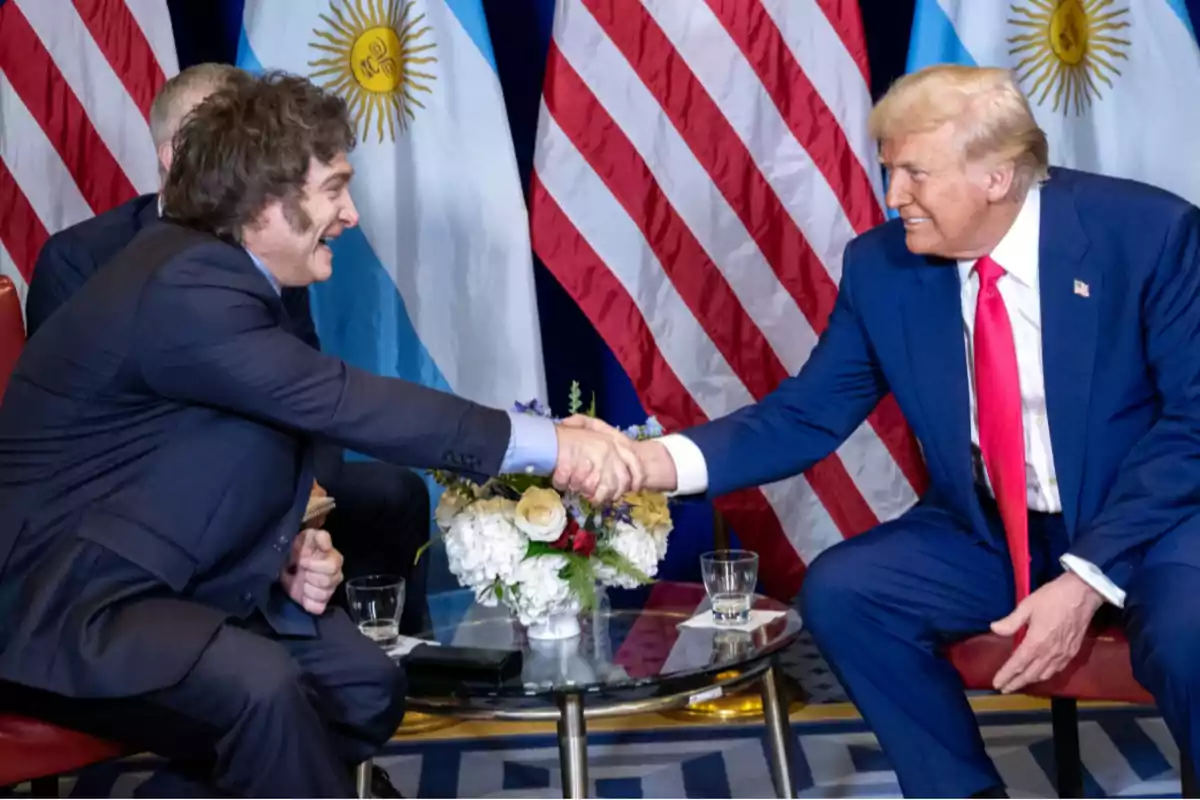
631 657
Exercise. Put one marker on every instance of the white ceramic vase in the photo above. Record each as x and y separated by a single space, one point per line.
559 625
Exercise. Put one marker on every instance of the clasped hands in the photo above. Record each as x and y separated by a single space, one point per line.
602 463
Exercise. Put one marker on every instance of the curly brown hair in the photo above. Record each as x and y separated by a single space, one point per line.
249 143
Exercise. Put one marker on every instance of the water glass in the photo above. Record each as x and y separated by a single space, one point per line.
375 603
729 578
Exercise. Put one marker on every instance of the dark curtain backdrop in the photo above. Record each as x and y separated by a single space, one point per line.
520 35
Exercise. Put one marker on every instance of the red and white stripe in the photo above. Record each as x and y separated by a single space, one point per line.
76 81
700 166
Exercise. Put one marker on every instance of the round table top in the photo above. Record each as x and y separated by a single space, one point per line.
630 646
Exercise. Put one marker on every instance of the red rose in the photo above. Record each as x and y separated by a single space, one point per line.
563 542
584 543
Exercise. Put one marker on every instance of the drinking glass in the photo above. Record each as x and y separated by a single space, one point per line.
729 578
375 603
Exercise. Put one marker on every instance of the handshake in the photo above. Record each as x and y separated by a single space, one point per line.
602 463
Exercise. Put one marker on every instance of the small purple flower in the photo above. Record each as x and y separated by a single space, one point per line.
533 408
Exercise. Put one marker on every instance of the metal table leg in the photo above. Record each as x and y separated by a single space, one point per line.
362 779
572 745
779 734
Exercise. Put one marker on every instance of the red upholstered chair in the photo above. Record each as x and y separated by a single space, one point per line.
1101 671
31 750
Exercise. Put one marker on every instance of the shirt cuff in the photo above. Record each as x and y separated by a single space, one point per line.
532 445
691 470
1090 574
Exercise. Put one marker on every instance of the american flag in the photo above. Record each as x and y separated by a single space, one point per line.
700 166
77 78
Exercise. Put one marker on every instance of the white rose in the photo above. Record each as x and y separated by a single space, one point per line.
540 514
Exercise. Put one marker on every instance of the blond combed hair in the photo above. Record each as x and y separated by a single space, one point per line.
991 117
177 96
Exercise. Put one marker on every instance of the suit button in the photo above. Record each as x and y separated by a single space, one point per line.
247 597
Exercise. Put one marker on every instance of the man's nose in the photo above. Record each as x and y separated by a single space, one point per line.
897 190
349 215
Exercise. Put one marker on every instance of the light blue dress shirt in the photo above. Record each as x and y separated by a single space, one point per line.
532 443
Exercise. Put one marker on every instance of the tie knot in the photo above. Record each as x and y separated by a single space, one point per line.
989 271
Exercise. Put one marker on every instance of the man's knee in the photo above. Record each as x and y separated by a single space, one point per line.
374 705
272 683
833 591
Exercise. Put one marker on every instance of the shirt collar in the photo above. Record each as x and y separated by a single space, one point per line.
1017 251
266 272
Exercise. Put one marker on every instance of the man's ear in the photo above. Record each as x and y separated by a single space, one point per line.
1000 179
166 154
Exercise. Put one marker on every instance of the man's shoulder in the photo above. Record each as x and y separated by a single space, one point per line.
103 236
1131 202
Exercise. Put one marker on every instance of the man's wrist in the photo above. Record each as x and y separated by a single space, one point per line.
659 466
1092 596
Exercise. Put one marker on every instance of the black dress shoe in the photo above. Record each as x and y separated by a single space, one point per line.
381 784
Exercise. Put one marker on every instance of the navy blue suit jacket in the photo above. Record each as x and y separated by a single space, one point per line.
1121 360
155 458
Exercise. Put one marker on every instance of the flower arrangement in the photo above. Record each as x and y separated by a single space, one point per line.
515 539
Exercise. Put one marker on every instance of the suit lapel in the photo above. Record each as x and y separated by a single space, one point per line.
937 357
1071 290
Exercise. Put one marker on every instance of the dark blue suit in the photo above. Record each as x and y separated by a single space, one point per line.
1122 377
155 458
382 517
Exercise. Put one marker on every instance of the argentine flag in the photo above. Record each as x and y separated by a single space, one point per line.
435 285
1115 84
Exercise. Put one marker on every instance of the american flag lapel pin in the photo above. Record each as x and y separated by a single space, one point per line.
1081 288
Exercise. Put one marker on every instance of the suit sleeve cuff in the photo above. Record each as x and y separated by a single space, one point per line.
532 445
691 470
1090 574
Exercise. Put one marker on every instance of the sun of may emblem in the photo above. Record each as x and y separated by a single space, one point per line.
1066 47
375 51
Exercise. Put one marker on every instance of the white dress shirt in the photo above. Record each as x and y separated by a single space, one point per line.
1017 253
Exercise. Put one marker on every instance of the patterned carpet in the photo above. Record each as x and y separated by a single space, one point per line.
1127 752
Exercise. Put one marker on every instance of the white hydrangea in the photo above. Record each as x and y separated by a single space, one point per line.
541 592
636 544
483 545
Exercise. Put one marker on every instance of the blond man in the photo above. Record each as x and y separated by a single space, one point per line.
1040 329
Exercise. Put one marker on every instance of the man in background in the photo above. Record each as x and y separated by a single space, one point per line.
382 515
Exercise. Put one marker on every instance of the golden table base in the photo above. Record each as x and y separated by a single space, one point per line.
415 722
738 706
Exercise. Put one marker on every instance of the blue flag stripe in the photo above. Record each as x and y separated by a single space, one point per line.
471 16
1181 11
934 39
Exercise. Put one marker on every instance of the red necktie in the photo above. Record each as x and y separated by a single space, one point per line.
1001 431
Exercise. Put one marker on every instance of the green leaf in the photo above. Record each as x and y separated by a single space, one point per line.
611 558
575 398
542 549
581 578
421 551
519 481
591 412
499 590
